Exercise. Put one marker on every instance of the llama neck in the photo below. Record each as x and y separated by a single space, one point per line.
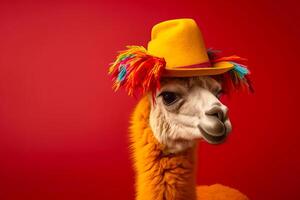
159 176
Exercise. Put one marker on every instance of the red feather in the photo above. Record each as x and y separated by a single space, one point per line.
137 71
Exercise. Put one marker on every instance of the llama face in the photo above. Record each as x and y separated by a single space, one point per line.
187 109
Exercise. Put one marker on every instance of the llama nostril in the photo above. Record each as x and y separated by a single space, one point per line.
216 112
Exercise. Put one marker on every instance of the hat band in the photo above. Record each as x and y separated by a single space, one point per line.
202 65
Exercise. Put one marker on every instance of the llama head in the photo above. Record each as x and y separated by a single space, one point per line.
188 109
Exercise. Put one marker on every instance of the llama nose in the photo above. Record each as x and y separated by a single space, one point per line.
219 112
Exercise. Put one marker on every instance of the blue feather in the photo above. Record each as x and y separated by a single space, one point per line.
122 73
242 71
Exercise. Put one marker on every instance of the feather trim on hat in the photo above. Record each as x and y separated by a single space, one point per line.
137 71
236 78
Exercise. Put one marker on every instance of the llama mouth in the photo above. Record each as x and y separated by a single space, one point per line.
213 139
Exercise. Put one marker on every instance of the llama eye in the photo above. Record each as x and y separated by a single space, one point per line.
169 97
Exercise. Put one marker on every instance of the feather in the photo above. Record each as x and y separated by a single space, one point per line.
236 78
240 69
137 71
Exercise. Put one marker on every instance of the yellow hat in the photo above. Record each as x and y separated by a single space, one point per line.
176 49
181 44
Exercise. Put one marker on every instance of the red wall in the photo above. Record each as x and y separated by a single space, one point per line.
63 132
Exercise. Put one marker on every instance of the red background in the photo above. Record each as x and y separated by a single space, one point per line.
64 132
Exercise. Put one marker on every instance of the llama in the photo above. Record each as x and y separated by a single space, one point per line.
164 139
180 82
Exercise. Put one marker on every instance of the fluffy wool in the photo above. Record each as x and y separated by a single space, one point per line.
163 176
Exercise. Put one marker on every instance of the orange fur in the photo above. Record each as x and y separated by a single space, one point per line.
219 192
161 176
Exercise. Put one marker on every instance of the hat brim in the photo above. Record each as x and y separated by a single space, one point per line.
217 68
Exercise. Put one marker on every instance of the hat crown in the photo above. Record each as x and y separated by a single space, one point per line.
179 42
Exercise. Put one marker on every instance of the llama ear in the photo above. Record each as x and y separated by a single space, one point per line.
137 71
